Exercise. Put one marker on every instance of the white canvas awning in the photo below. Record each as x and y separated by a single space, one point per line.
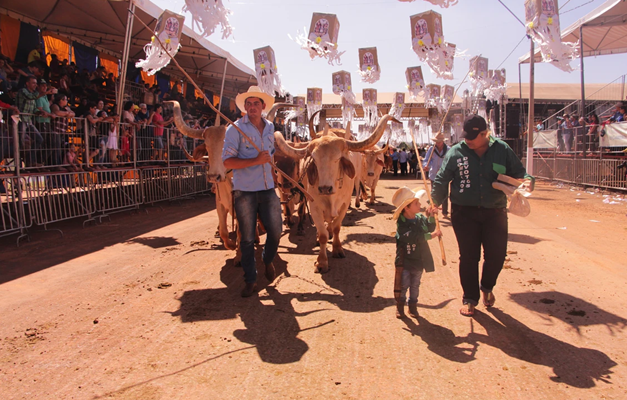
101 24
604 31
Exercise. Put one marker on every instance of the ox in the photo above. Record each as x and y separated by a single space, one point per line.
330 180
372 167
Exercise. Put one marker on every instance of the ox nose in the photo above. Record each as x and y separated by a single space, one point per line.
214 178
325 190
370 173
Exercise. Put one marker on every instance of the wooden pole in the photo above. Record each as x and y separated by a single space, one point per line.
428 190
210 104
530 121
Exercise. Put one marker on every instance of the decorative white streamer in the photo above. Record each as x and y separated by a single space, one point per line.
207 15
322 49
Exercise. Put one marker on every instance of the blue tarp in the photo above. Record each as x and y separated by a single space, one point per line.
85 57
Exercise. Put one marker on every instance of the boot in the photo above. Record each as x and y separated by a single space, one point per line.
400 310
249 289
413 310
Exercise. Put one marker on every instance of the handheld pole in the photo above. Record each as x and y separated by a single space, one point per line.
428 190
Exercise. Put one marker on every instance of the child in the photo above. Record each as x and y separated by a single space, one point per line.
412 251
71 159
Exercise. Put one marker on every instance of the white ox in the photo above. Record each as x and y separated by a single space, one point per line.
330 181
373 161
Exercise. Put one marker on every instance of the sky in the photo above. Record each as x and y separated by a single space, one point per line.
480 27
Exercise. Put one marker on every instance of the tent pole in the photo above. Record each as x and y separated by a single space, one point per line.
583 96
530 122
521 115
125 51
226 63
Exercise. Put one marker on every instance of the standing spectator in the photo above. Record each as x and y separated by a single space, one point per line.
96 145
479 214
567 132
43 118
144 134
253 183
394 157
593 133
149 97
55 65
574 123
110 82
159 123
413 162
433 161
402 158
62 113
31 139
128 119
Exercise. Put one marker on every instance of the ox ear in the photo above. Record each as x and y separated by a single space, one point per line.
380 162
312 173
347 167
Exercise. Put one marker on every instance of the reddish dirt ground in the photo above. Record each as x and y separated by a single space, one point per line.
146 305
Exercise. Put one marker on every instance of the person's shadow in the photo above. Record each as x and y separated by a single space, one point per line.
440 340
572 365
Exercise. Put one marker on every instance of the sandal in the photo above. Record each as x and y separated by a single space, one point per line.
468 310
488 299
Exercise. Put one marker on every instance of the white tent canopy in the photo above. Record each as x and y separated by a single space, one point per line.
101 24
604 31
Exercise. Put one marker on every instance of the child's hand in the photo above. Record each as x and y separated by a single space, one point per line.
433 210
436 233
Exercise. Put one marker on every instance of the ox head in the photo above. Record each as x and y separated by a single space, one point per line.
214 141
373 160
329 155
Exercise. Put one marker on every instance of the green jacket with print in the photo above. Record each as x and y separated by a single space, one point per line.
412 249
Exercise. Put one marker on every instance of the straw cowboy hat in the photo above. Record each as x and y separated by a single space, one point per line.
439 137
253 91
404 196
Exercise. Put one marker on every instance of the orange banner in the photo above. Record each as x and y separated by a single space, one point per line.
10 35
109 63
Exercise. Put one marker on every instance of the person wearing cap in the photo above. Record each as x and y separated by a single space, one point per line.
478 211
253 183
433 161
413 255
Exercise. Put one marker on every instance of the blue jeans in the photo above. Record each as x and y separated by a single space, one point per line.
410 279
248 205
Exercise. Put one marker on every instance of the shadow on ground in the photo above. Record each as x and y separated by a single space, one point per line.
569 309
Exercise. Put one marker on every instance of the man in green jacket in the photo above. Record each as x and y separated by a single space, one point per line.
478 211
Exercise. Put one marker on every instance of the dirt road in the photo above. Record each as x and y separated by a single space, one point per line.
147 306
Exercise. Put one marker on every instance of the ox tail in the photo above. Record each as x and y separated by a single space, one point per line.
182 126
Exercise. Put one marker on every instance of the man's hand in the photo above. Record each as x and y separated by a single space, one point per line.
436 233
264 157
433 210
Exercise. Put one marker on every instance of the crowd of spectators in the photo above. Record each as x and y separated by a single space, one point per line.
68 121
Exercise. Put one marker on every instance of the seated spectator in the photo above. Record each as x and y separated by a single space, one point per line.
32 69
110 82
618 116
71 159
36 54
539 124
9 96
5 70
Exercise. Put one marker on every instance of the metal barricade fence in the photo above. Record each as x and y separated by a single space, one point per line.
58 197
13 215
606 173
156 184
188 180
117 190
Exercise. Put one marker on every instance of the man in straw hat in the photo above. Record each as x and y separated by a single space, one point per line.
413 255
433 161
253 183
478 211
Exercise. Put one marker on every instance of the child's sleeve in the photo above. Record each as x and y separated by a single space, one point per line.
428 226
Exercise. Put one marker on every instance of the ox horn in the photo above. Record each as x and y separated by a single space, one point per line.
383 150
312 133
180 124
288 150
374 138
272 113
348 133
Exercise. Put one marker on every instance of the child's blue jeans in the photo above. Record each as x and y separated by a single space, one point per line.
410 279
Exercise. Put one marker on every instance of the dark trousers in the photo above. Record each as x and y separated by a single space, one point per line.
477 227
395 167
248 205
404 168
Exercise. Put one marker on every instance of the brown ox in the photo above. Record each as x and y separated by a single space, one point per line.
330 180
372 167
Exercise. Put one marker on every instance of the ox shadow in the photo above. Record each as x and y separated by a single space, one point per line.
441 341
271 328
355 215
368 238
521 238
574 366
156 242
569 309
